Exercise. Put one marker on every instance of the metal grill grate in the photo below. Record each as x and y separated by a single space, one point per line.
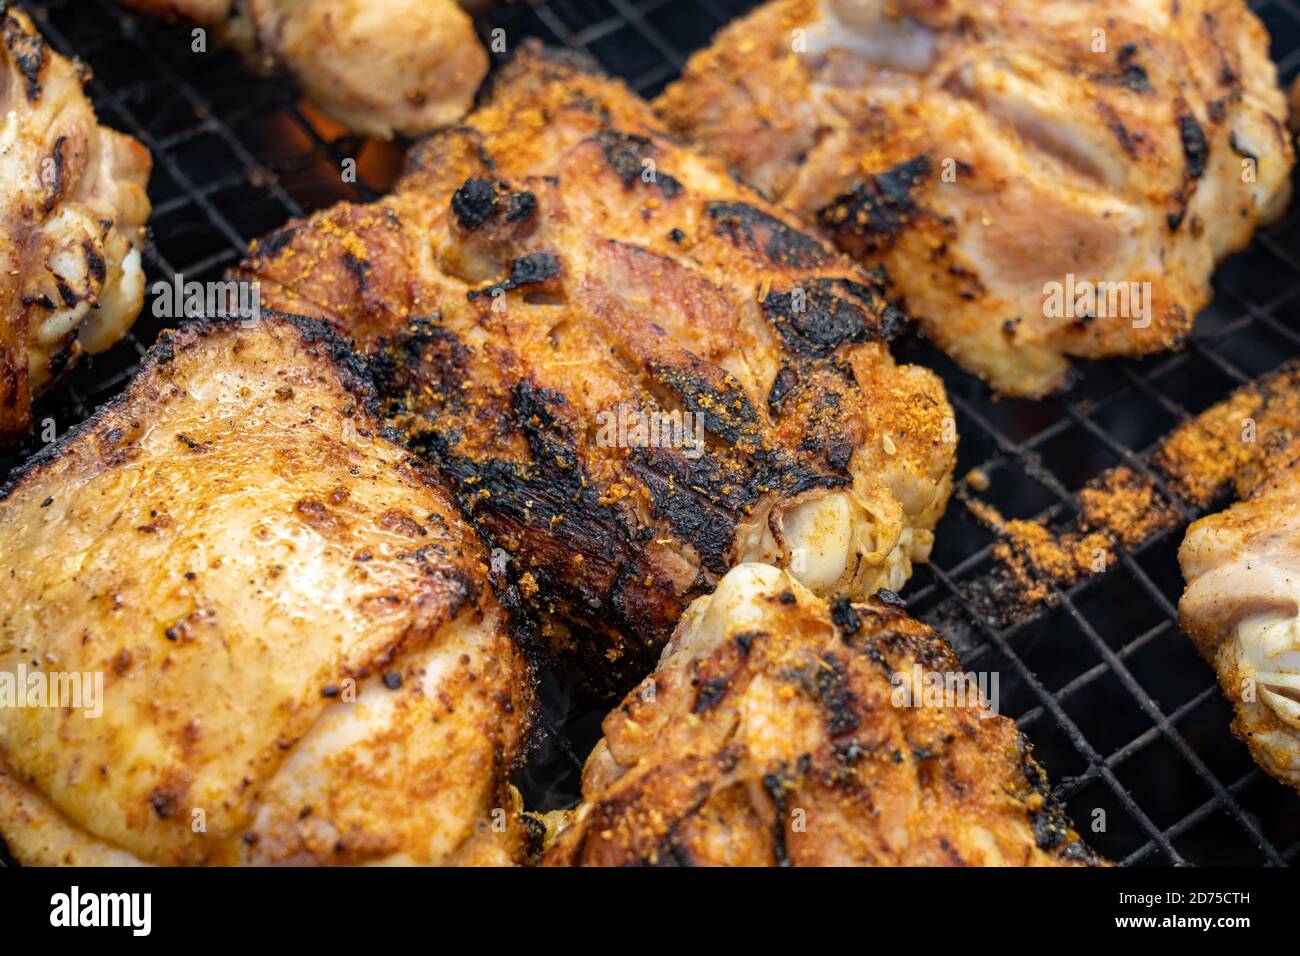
1124 714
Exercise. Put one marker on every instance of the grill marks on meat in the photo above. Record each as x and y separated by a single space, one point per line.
779 731
869 218
983 150
562 503
72 214
818 317
27 51
752 230
557 266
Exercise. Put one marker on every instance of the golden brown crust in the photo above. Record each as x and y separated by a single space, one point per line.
301 657
983 149
379 67
1240 564
72 217
798 734
556 262
1241 567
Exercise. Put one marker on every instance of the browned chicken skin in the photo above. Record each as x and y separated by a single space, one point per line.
556 263
379 67
779 730
1001 156
301 659
72 217
1242 602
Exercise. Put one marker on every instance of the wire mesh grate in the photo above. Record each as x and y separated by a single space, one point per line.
1126 717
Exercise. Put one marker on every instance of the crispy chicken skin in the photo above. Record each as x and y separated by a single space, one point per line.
984 150
302 659
555 271
72 215
1242 602
379 67
777 731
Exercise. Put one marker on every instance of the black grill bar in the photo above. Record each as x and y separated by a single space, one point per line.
1123 713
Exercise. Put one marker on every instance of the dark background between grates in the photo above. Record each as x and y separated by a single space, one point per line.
1123 713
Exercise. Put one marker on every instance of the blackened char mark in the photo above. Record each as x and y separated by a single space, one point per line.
520 206
722 405
785 382
269 245
778 786
869 218
548 495
359 269
750 463
536 268
845 617
29 53
474 202
710 692
1196 152
831 687
1117 127
823 314
588 565
426 359
826 680
552 491
890 598
1128 74
1195 147
704 498
1052 829
478 199
56 185
62 358
895 635
626 154
752 230
94 262
707 526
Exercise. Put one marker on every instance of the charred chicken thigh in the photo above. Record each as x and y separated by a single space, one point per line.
72 216
1042 178
636 372
1242 607
379 67
779 730
301 659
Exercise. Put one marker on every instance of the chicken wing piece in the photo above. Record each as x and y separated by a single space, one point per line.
268 632
780 730
1242 605
636 372
379 67
72 216
1042 178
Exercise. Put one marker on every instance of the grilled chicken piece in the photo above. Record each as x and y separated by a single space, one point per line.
72 215
301 658
1022 167
1242 604
379 67
780 730
556 272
